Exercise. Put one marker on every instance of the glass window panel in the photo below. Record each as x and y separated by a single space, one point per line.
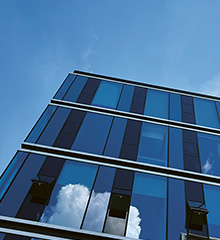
205 112
107 94
209 149
153 144
41 124
218 107
175 107
11 171
76 88
156 104
70 195
93 133
126 98
54 126
147 215
62 91
175 148
113 146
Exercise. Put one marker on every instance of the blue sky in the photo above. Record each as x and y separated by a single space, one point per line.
174 43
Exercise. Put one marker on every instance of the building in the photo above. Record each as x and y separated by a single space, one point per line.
116 159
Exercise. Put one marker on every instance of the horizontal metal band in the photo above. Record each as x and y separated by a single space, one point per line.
134 116
122 163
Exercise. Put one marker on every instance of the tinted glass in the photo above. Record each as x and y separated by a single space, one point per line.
205 112
175 107
41 124
147 215
76 88
70 195
126 98
153 144
209 149
93 133
107 94
65 86
156 104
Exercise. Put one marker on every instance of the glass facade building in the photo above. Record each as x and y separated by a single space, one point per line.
112 158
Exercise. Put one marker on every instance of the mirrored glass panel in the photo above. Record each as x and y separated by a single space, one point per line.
175 107
126 98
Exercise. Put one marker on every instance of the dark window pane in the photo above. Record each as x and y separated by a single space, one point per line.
175 107
206 114
186 108
126 98
157 104
187 100
189 136
188 118
191 149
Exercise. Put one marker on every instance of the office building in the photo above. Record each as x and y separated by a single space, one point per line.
112 158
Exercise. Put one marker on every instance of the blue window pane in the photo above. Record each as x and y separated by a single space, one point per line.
205 112
76 88
115 139
70 195
153 144
107 94
147 215
209 149
126 98
175 107
212 196
175 148
54 126
10 172
62 91
156 104
218 107
41 124
93 133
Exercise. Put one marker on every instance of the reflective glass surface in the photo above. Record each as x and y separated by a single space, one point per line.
126 98
93 133
153 144
209 149
175 107
157 104
205 112
107 94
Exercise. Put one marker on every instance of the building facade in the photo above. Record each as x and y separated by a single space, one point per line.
116 159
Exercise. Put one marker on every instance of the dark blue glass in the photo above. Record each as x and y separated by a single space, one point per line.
11 171
157 104
205 112
76 88
113 146
175 107
40 125
107 94
212 196
153 144
218 107
126 98
175 148
19 188
209 150
70 195
147 215
53 128
62 91
93 133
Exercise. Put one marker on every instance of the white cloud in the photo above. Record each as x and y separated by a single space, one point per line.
207 167
212 87
133 229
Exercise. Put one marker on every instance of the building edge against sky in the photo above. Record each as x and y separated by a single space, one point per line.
116 159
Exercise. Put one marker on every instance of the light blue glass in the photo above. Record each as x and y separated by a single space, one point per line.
40 125
175 148
212 196
205 113
76 88
93 133
62 91
153 144
147 215
157 104
209 151
107 94
218 107
126 98
53 128
113 146
11 171
175 107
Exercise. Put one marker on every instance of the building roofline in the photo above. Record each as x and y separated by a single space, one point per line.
147 85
